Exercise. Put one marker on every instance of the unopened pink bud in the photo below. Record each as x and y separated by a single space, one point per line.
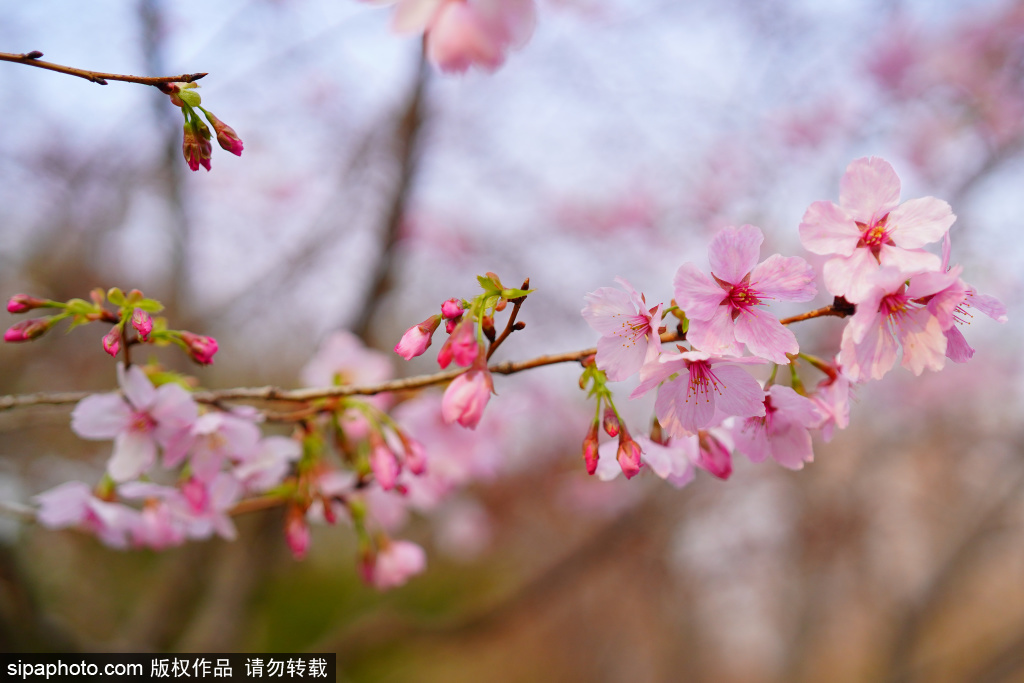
385 466
590 444
628 454
396 562
19 303
112 341
451 309
415 456
461 346
451 324
226 135
417 338
142 322
200 348
611 422
27 330
296 532
714 456
196 148
196 493
466 397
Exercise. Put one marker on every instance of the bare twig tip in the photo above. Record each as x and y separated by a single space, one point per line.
35 54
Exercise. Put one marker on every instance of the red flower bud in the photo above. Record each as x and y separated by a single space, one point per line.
143 323
201 349
611 422
590 443
227 138
19 303
27 330
112 341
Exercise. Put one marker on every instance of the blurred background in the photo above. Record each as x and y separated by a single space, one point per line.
615 143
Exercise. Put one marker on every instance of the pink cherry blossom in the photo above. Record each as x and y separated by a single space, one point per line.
467 396
199 507
722 309
782 433
697 390
396 563
887 317
628 329
139 422
464 33
951 303
269 464
870 229
417 338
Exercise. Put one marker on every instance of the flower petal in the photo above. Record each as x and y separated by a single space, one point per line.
869 189
734 252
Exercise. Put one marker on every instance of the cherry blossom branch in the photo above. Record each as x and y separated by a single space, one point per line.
511 325
32 59
270 393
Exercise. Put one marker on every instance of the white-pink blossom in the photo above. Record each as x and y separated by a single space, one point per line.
396 563
782 433
869 229
697 390
723 310
628 329
144 419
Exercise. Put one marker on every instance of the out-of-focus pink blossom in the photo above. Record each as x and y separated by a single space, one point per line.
887 317
464 33
296 532
869 229
142 322
467 396
343 359
697 390
782 433
145 418
415 456
396 563
462 345
200 348
27 330
200 507
722 309
267 466
628 329
417 338
73 504
214 439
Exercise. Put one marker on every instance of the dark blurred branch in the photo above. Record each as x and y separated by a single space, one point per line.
32 59
959 559
406 139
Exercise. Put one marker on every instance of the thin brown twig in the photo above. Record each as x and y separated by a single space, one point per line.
271 393
32 59
511 325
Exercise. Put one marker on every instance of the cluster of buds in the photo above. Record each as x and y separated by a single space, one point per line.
133 313
471 341
196 145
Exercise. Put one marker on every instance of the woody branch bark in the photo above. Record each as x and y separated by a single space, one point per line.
100 77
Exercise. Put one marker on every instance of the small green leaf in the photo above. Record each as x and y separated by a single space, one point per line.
150 305
80 307
516 293
190 97
115 296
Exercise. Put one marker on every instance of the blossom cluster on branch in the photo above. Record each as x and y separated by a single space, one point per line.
180 469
